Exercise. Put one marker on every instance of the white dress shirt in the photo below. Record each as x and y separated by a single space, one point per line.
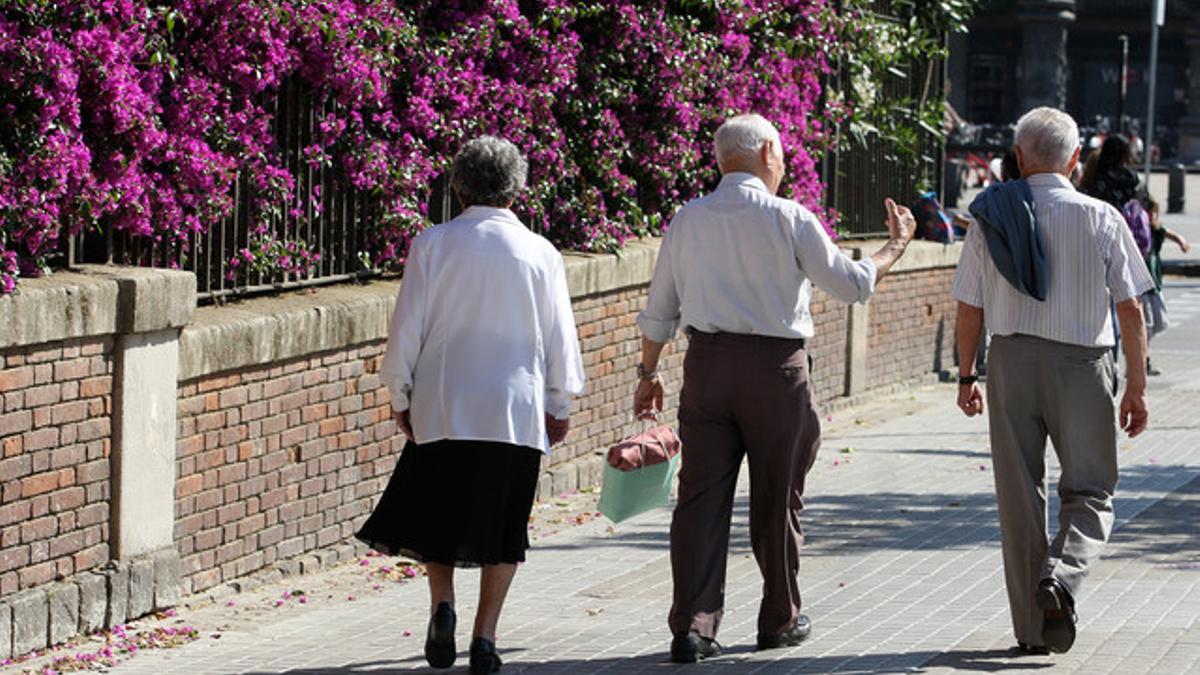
1091 258
483 340
740 260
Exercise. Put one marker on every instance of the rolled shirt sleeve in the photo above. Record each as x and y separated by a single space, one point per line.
826 265
404 334
660 319
564 364
1125 271
967 287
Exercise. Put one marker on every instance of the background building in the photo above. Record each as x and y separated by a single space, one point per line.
1066 53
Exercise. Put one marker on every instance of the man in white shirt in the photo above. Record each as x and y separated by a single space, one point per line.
1051 374
734 271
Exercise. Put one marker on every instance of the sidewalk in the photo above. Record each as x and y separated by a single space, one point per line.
901 572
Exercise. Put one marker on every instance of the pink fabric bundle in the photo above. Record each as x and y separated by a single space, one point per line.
652 446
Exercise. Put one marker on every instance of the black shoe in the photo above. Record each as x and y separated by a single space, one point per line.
1058 625
788 638
439 639
690 648
1032 650
1151 370
483 657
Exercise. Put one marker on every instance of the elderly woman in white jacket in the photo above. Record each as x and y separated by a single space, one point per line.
482 361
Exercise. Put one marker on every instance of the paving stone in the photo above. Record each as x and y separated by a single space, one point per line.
93 601
141 587
6 632
167 583
30 620
117 586
64 611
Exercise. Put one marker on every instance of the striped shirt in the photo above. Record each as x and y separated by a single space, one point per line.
1091 260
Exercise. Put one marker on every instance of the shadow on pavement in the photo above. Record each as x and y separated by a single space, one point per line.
864 664
835 524
1164 533
989 661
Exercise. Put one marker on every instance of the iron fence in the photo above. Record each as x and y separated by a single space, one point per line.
859 176
332 225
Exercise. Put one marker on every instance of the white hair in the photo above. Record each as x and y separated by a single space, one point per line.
1047 138
743 136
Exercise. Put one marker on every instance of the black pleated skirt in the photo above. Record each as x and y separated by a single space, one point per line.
461 503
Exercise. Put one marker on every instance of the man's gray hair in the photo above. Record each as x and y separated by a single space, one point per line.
743 136
1047 138
488 171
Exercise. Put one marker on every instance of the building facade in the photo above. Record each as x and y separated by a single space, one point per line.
1019 54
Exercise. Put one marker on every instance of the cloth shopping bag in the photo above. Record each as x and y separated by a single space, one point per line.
644 483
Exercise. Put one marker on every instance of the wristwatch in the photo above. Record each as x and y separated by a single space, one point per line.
968 379
646 374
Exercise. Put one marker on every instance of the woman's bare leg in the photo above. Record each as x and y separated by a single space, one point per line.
493 588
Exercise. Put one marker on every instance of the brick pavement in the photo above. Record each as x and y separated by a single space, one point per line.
901 572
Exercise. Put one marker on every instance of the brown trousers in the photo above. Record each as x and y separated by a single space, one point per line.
742 396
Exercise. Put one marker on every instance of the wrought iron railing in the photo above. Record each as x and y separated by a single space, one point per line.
862 173
858 178
334 229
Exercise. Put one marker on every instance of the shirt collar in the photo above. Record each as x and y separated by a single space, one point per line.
1049 180
742 179
488 213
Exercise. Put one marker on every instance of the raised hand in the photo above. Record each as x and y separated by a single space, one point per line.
901 223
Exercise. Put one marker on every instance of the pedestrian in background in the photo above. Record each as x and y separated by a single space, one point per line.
1041 266
1153 306
482 361
736 270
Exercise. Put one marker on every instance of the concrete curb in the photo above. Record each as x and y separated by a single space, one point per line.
116 593
1185 268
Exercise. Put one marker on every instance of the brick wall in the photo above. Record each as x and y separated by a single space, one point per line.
54 474
278 460
911 327
828 347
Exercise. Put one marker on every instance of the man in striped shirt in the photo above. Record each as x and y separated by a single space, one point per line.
1051 374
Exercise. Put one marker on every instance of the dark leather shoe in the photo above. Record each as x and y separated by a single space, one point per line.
690 648
1058 609
1032 650
439 639
484 658
788 638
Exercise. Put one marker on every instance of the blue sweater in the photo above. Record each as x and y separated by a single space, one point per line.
1005 211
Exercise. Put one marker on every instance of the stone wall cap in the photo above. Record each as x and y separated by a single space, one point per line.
920 255
93 300
265 330
150 299
595 273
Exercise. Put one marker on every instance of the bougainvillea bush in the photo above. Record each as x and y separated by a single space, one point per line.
147 117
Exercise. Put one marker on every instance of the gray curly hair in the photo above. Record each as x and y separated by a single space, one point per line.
488 171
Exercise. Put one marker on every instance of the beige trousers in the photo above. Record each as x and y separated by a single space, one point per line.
1038 389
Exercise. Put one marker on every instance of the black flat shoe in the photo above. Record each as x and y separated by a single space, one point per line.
439 639
788 638
484 658
1032 650
690 648
1058 624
